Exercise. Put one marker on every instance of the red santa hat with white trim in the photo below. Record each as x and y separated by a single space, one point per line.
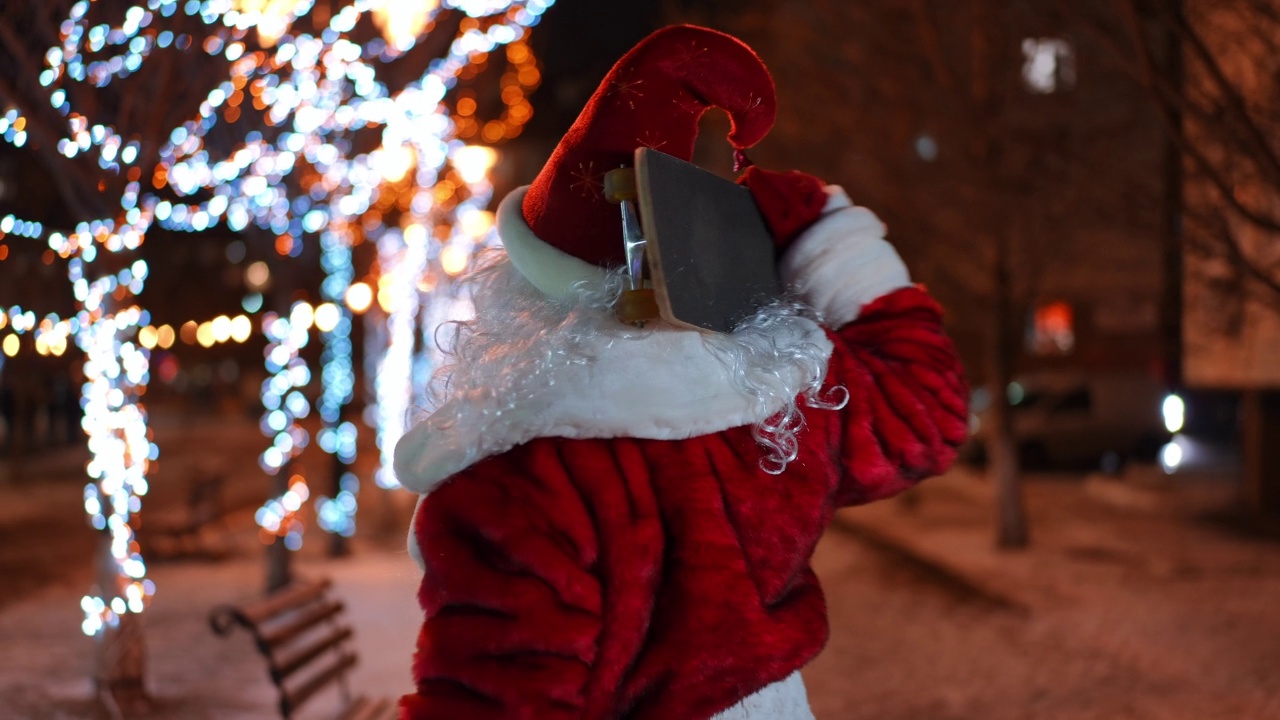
562 229
654 96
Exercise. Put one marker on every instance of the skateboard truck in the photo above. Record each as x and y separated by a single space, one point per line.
705 261
637 304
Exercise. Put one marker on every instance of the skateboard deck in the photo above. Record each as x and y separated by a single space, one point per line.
711 258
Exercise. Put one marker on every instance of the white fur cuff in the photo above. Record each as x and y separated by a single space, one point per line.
842 262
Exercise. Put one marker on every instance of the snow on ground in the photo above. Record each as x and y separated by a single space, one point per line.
45 661
1138 612
1109 615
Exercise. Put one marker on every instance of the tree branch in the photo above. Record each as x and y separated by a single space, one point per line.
1176 132
1234 101
77 188
932 45
1218 227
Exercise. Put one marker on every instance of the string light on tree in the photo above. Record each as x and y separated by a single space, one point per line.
312 93
283 401
440 200
284 405
13 128
337 436
116 375
278 518
52 333
248 184
402 256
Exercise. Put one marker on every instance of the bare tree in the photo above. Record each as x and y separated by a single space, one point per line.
993 187
1211 69
1222 115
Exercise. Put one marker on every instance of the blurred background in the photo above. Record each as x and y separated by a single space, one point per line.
230 229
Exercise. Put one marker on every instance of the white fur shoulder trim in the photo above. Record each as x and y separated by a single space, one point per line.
662 384
842 262
548 268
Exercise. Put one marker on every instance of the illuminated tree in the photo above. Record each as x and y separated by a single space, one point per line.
265 124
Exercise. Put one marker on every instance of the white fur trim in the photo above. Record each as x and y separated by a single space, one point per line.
550 269
665 384
842 262
783 700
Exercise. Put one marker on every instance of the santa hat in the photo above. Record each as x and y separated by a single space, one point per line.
562 229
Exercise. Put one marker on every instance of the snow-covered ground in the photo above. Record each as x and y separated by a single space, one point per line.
45 662
1111 614
46 550
1127 606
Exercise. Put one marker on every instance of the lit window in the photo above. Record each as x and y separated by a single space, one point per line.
1053 329
1050 65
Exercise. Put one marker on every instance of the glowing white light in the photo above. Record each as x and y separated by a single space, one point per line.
1171 456
394 162
1049 65
302 315
453 259
476 224
205 336
402 21
221 328
327 316
1175 413
473 162
241 328
359 297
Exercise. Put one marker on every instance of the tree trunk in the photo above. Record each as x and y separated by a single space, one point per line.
338 544
119 668
1002 450
279 570
119 653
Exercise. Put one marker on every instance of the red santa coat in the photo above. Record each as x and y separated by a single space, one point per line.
651 578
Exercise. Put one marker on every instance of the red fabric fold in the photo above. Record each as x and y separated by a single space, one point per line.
631 579
788 201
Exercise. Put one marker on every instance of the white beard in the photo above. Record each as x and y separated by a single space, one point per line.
527 367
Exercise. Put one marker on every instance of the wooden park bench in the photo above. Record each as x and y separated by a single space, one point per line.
301 632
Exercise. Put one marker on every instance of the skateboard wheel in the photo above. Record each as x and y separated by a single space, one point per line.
620 185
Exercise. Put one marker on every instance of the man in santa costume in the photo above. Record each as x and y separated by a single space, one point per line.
617 522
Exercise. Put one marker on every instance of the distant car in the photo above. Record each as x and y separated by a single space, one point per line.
1078 421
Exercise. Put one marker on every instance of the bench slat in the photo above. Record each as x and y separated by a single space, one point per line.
287 629
369 709
291 596
297 624
292 661
291 699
